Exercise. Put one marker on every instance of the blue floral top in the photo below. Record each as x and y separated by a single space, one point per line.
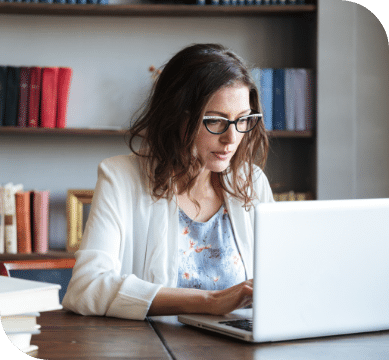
209 257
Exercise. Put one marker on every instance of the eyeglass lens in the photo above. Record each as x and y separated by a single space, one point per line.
219 125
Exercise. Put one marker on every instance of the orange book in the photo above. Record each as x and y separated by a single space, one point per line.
64 80
23 222
40 222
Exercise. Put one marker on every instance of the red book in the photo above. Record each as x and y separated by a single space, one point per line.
49 97
24 91
64 80
35 96
40 223
23 222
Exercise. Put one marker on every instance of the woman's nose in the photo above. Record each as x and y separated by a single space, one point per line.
229 136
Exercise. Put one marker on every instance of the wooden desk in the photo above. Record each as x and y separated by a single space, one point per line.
188 343
65 335
68 336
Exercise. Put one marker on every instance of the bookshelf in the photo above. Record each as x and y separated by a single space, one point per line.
292 157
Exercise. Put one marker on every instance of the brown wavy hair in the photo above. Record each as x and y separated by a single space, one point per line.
172 116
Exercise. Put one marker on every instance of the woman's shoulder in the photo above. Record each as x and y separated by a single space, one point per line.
121 167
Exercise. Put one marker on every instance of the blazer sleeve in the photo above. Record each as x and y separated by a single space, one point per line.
97 286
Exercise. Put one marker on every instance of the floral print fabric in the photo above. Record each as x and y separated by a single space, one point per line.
209 257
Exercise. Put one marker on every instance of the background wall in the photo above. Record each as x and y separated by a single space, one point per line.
110 57
353 103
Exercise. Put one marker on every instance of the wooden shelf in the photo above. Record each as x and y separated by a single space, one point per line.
11 130
52 254
164 10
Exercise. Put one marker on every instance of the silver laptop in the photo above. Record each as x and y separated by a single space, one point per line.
321 268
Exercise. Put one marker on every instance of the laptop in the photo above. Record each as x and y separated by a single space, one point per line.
321 268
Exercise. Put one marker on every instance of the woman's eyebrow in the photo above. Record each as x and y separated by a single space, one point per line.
220 113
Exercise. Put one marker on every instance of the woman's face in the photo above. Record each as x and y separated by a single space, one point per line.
216 151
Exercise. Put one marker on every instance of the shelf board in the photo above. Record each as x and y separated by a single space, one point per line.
11 130
51 254
153 10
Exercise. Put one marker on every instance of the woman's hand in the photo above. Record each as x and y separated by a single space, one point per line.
224 301
174 301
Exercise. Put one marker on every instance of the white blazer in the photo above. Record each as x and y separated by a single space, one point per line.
130 244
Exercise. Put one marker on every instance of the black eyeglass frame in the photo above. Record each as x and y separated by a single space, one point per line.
230 122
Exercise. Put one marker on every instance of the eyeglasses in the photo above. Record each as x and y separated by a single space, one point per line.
218 125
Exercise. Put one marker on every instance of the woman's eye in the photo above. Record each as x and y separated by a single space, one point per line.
214 121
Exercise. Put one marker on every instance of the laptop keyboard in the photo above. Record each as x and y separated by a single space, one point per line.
245 324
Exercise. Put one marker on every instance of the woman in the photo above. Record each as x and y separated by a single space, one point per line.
171 225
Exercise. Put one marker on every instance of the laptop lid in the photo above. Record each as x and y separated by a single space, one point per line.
320 268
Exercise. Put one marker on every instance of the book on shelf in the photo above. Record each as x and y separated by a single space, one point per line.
290 117
10 229
2 246
64 80
304 99
279 99
266 96
40 221
23 222
49 91
35 96
24 91
287 98
12 96
3 92
292 196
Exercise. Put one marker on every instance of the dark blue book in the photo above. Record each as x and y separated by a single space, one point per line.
279 121
81 2
3 92
59 1
46 1
12 96
103 2
71 2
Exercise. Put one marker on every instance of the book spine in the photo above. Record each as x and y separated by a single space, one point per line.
23 222
23 96
3 92
267 97
279 100
2 247
12 96
64 80
302 89
49 97
10 230
40 221
35 96
290 118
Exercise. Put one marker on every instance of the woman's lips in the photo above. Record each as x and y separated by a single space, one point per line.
222 155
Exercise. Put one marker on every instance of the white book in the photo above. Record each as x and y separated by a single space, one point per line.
19 323
20 296
22 340
10 229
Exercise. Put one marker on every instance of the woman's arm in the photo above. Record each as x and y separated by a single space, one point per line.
173 301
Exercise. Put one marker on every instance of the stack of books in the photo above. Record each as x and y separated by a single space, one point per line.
24 220
21 301
287 98
34 96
